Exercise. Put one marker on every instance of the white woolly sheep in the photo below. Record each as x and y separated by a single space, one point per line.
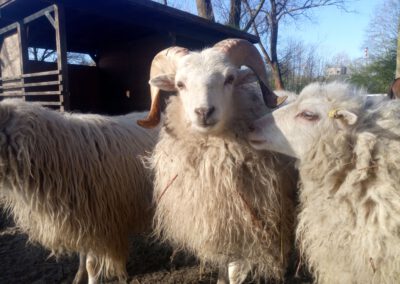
348 151
75 182
215 196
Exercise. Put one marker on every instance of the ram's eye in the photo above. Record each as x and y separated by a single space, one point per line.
308 115
229 80
180 85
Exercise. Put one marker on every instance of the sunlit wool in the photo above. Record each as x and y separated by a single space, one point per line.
217 197
75 182
349 218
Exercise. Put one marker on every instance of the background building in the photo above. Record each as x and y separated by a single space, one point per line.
111 43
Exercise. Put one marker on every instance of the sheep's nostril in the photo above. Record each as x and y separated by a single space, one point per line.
204 112
210 111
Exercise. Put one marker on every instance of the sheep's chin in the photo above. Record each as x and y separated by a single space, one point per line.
206 129
258 144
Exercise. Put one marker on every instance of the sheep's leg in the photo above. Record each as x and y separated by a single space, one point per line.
81 276
223 274
238 271
92 268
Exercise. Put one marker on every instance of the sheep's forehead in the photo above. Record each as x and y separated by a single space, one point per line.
332 95
320 104
332 91
313 95
203 64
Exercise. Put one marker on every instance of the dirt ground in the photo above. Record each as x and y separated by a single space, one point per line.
149 262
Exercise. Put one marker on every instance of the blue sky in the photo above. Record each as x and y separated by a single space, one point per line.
335 31
332 30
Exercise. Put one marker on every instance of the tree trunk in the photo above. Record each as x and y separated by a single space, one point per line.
35 54
273 23
205 10
234 13
398 53
277 76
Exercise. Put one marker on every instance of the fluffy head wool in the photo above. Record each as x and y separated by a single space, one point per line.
219 198
349 218
74 182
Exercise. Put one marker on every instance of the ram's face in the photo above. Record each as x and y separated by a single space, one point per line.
206 93
205 83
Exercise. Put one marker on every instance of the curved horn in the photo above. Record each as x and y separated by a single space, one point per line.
163 63
241 52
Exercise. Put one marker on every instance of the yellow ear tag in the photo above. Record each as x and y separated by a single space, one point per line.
333 113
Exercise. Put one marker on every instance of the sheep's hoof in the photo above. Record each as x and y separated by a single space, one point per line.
81 277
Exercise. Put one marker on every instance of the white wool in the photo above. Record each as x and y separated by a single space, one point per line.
75 182
217 197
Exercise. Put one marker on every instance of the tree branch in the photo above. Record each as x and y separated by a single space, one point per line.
252 15
294 10
46 54
263 50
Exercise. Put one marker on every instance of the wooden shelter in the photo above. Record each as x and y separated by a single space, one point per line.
120 36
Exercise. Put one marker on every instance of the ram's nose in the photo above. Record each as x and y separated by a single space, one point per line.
204 113
258 126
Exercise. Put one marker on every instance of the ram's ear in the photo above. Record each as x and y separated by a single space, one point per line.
164 82
245 76
348 117
344 117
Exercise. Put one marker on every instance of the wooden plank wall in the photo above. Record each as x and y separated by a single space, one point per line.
10 59
124 73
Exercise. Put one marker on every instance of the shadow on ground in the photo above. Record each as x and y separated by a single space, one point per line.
149 262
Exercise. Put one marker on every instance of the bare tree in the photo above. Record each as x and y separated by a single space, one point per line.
398 53
382 32
41 54
253 14
234 13
265 21
263 18
50 55
377 72
340 59
205 10
300 64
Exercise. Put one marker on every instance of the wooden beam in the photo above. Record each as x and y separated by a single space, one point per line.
30 75
28 85
62 63
49 103
49 83
9 87
11 27
21 94
23 50
46 93
39 14
12 94
38 74
50 18
4 3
